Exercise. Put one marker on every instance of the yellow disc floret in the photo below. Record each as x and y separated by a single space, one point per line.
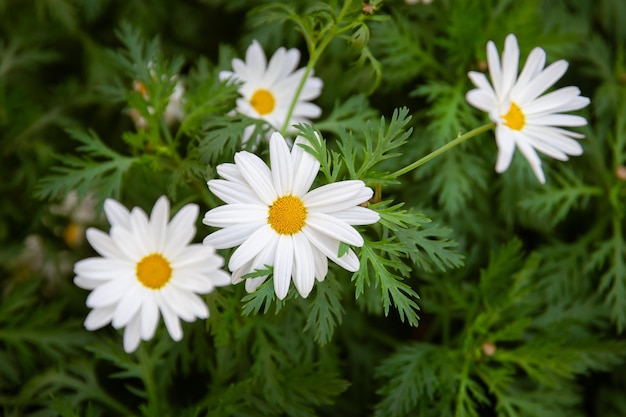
263 101
514 118
287 215
154 271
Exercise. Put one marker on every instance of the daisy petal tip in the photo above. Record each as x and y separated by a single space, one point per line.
305 292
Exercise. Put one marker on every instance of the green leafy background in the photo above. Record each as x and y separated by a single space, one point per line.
479 294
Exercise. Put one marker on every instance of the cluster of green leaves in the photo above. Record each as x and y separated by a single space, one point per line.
511 301
384 266
518 352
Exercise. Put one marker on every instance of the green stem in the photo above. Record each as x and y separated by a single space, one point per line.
169 140
462 387
443 149
153 397
314 54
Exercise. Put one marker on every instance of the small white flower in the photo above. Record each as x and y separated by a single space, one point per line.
523 118
268 90
148 266
80 213
276 221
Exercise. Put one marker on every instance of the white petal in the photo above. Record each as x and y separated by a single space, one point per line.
149 317
283 266
554 137
232 192
132 334
510 63
172 322
198 306
103 244
506 148
531 156
181 230
128 243
257 174
282 168
255 57
306 168
192 281
546 148
281 64
495 70
335 196
226 76
109 293
128 306
576 103
242 72
534 64
554 102
330 248
230 172
116 213
541 82
158 222
140 229
102 268
357 215
265 257
481 99
179 301
233 214
306 109
559 120
253 283
312 88
334 228
564 132
321 264
251 247
232 236
304 265
193 255
87 283
219 278
480 80
99 317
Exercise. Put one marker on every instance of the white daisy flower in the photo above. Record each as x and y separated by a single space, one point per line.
268 90
276 221
523 118
148 266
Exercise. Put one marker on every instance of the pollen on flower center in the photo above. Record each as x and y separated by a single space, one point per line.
262 101
514 118
287 215
154 271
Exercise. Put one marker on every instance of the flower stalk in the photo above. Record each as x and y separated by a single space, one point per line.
460 139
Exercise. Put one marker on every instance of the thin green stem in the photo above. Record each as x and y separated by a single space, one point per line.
460 398
169 140
443 149
147 368
315 51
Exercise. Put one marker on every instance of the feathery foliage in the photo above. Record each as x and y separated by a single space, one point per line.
476 293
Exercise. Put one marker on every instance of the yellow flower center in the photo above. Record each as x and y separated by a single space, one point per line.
514 118
287 215
154 271
263 101
73 234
